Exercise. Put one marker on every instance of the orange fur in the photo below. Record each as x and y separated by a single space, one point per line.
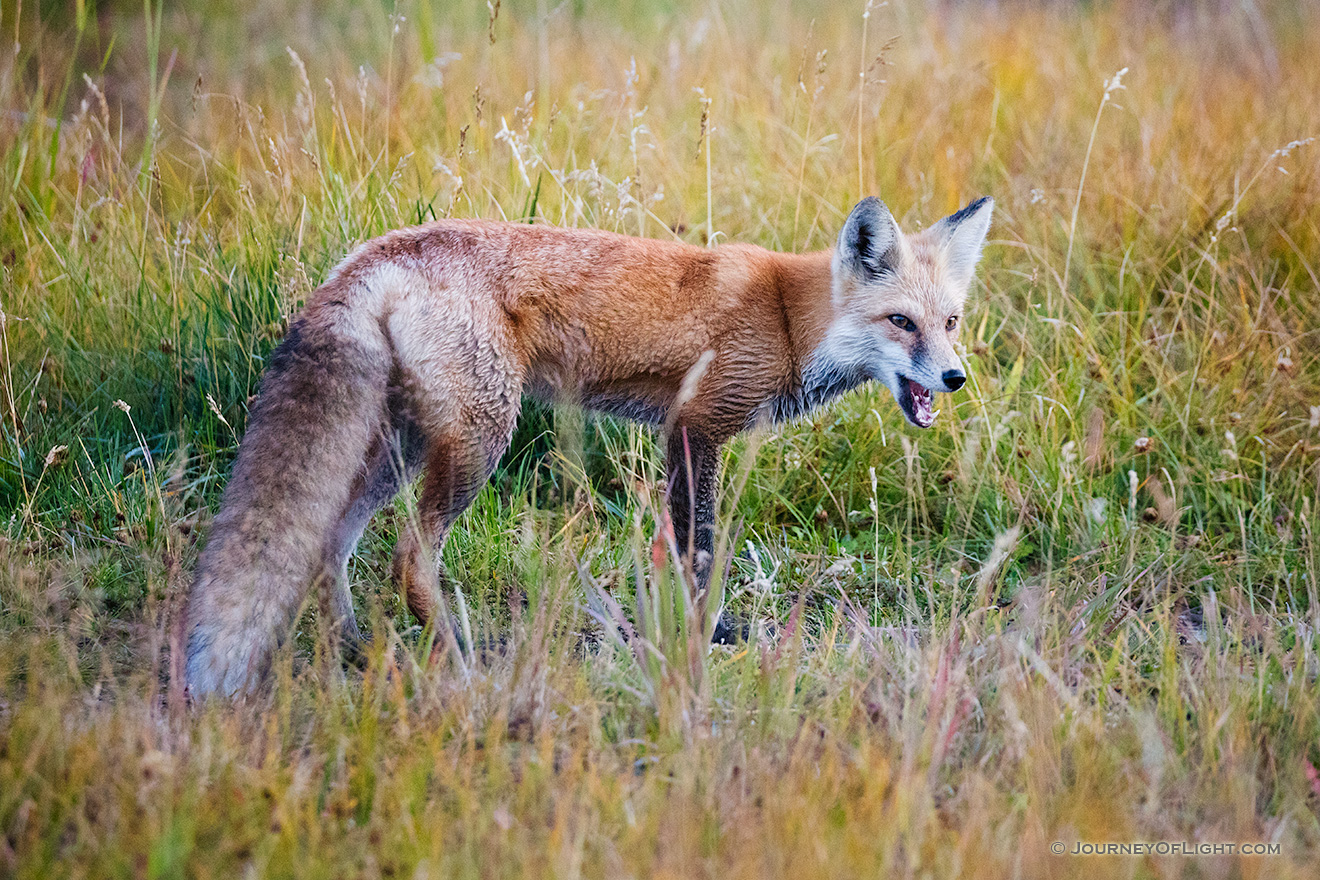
418 349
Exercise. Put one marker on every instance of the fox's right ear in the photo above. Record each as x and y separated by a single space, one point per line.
869 242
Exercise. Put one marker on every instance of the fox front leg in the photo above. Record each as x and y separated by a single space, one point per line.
694 466
694 469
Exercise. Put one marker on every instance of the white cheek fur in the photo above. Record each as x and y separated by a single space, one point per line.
849 348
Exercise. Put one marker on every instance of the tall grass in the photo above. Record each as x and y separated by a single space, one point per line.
1082 607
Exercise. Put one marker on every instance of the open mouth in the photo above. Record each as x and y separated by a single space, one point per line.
916 401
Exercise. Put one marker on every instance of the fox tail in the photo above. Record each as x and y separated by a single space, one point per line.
321 405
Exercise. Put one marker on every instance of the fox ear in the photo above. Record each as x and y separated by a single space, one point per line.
961 236
869 242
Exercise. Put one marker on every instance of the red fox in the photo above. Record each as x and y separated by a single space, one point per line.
416 352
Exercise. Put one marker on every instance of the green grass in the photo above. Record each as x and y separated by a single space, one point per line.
1082 607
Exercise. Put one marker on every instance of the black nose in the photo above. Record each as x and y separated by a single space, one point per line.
954 379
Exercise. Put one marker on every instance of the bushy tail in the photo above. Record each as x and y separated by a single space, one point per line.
322 402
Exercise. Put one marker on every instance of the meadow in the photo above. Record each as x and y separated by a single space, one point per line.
1081 609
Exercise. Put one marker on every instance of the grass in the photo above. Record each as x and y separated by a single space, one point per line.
1082 607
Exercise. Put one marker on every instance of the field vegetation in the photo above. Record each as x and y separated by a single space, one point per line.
1082 607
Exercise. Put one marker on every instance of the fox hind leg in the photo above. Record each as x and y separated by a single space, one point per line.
464 388
458 464
395 460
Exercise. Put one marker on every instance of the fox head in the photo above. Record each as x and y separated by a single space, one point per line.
898 302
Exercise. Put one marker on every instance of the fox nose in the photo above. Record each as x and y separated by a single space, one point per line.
954 379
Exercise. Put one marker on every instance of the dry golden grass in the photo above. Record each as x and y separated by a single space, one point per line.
1082 608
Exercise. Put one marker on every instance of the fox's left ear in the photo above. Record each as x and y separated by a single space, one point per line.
961 236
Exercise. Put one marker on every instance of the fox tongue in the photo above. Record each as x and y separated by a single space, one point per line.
921 401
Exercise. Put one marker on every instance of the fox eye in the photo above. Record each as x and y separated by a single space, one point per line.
902 322
952 323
